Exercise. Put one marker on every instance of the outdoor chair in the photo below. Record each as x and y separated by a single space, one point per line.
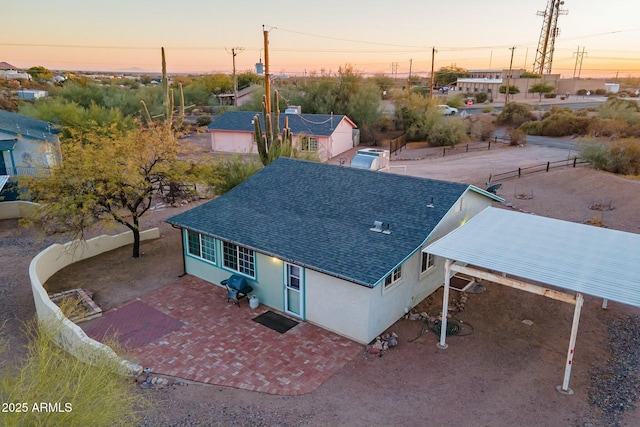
237 288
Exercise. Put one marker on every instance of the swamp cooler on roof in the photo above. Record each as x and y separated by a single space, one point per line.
371 158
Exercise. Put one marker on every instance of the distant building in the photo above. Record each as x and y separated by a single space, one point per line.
490 80
9 72
32 95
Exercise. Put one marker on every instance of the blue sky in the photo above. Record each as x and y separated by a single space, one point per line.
311 36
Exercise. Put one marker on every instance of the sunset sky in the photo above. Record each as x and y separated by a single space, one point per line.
309 36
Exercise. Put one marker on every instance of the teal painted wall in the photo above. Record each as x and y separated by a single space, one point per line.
268 284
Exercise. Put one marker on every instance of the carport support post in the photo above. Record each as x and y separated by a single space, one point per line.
564 388
445 305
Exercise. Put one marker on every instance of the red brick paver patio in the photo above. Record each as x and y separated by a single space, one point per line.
188 330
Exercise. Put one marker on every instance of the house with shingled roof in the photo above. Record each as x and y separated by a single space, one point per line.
331 245
328 135
26 144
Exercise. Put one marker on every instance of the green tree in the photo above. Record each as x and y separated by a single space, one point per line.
383 82
449 74
512 89
541 88
105 179
530 75
40 73
248 78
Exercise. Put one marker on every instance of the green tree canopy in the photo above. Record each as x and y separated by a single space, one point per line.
541 88
449 74
106 178
40 73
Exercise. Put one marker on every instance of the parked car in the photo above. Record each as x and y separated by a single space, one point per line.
447 111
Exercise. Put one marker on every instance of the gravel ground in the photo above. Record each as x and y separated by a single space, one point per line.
615 387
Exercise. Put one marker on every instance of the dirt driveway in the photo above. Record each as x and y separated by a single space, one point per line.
504 374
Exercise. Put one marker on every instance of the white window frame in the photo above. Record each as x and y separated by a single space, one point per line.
430 264
243 258
309 143
204 242
393 278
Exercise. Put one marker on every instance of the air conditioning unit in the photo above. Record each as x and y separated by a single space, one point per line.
364 159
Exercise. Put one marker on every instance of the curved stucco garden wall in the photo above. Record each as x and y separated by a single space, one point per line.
54 258
19 209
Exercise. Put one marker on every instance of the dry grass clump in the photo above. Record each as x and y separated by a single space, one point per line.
54 388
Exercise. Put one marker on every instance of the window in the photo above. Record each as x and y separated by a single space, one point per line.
238 258
201 246
428 261
309 143
393 277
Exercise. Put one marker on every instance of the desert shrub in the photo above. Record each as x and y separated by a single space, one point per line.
456 101
621 157
581 92
620 109
384 124
607 128
88 395
515 114
516 136
203 120
447 131
480 127
227 172
512 89
481 97
487 109
550 95
560 121
600 91
532 128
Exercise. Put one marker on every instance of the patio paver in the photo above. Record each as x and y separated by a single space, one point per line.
218 342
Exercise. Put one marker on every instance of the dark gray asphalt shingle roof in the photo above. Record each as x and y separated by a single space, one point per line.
300 124
319 216
17 124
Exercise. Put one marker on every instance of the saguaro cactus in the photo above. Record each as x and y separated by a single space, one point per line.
272 145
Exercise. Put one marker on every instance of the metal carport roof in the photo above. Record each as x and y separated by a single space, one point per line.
576 257
581 258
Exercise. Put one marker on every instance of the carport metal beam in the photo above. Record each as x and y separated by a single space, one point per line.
577 300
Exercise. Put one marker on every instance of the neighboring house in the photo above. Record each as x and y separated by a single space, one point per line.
9 72
331 245
32 94
326 134
26 144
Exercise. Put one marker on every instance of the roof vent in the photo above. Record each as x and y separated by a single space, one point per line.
430 205
377 226
386 229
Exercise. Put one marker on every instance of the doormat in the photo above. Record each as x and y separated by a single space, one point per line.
275 321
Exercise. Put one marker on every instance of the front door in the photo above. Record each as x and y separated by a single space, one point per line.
293 291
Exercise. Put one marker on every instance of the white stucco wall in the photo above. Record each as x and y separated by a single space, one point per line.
233 142
54 258
342 138
17 209
387 306
337 305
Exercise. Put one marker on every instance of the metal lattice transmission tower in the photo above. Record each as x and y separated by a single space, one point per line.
548 34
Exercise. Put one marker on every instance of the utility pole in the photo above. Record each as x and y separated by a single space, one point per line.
267 76
433 60
235 77
394 70
581 58
409 79
506 92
